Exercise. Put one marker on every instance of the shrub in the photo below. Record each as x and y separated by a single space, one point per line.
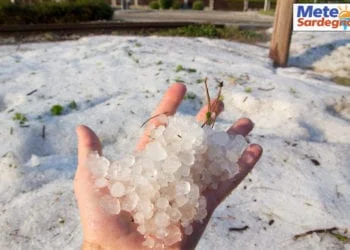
198 5
4 2
52 12
165 4
176 5
154 5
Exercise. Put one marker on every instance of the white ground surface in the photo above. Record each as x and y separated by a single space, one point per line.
301 119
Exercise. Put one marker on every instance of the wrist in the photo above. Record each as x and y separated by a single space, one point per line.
91 246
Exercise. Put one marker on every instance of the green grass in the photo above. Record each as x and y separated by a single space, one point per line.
345 81
248 90
270 12
212 31
293 91
56 110
190 96
20 117
182 68
73 105
199 81
179 68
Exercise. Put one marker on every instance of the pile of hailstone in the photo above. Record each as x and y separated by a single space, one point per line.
161 186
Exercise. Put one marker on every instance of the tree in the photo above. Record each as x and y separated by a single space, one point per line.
267 5
211 4
245 5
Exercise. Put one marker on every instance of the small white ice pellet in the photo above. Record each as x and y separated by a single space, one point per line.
161 186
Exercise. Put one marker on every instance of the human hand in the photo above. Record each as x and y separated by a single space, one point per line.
106 231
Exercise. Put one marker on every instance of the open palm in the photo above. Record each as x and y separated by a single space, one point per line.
106 231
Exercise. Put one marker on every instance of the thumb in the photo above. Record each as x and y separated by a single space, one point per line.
87 143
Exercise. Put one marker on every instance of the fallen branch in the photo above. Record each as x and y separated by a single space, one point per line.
325 230
43 132
238 229
32 92
152 117
269 89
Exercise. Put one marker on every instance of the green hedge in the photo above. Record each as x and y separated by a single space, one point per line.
52 12
198 5
154 5
165 4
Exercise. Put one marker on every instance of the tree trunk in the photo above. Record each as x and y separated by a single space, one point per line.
124 4
245 5
114 3
211 4
136 2
267 5
185 4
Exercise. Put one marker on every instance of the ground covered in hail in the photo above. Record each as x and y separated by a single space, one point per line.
111 83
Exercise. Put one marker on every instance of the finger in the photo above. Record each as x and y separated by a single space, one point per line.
241 127
246 163
248 160
168 106
87 143
216 106
171 100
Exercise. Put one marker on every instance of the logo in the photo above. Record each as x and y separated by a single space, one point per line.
321 17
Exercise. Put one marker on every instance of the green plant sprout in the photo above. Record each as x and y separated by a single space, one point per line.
190 95
248 90
293 91
20 117
179 68
211 116
198 81
56 110
73 105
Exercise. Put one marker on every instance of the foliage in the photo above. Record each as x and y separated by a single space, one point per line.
270 12
234 33
198 81
73 105
176 5
248 90
212 31
4 2
203 30
165 4
52 12
20 117
179 68
154 5
56 110
342 81
190 96
198 5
